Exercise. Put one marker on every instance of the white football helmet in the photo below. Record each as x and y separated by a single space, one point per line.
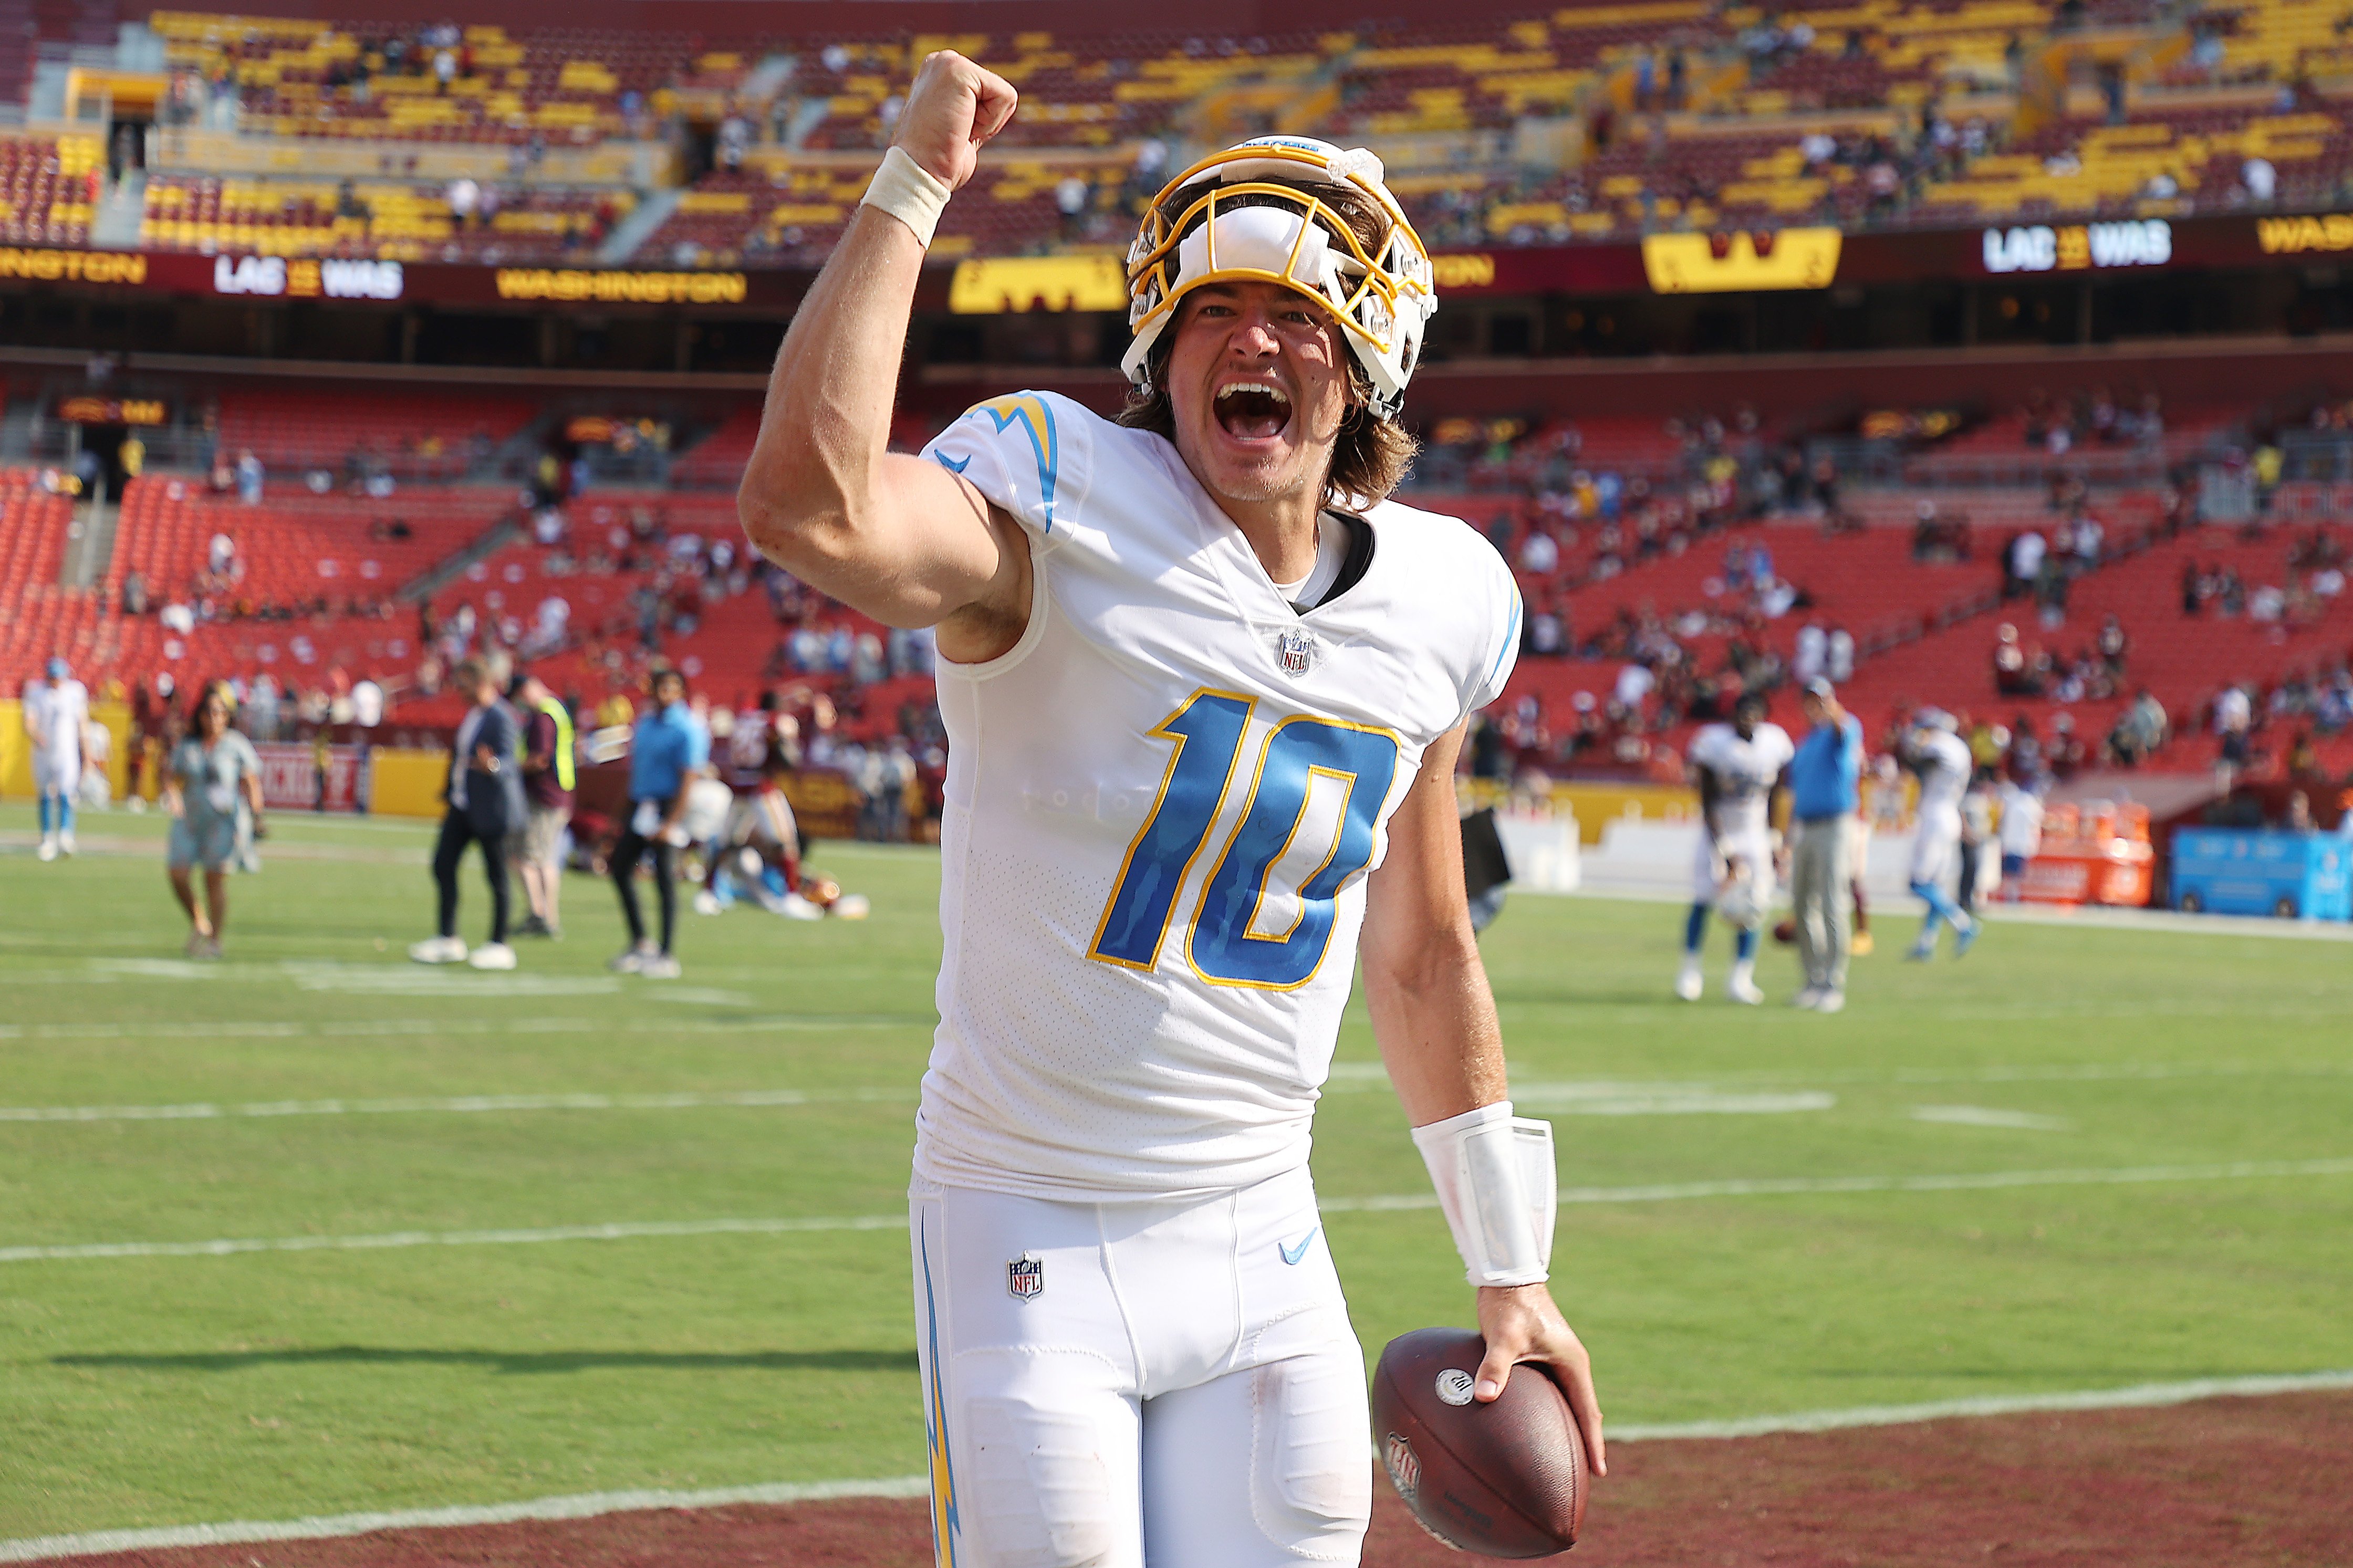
1741 904
1198 230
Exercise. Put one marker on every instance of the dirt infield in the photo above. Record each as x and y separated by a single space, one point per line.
2218 1483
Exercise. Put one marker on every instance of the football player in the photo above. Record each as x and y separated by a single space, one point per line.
1934 750
1738 767
55 710
1205 688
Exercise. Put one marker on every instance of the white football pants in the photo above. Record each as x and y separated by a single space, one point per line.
57 773
1118 1385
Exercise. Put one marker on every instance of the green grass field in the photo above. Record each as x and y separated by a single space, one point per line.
139 1390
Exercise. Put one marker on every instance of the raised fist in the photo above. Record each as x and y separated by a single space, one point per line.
953 108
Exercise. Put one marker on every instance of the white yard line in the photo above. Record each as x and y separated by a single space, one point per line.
592 1504
455 1105
371 1028
1990 1116
1665 1192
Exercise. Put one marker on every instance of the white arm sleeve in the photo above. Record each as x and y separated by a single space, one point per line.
1496 1185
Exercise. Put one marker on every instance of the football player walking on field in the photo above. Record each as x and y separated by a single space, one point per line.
1203 687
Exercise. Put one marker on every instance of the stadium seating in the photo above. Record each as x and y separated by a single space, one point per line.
395 220
409 434
33 619
48 187
1664 114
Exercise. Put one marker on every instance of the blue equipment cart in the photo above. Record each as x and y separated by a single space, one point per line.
2257 871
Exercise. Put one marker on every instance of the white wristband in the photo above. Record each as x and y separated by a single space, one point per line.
908 192
1497 1186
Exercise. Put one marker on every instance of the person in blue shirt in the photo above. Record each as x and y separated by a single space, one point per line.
1824 793
667 752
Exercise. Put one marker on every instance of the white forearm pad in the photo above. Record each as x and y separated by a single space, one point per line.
908 192
1497 1186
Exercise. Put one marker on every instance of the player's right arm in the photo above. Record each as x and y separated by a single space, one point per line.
897 537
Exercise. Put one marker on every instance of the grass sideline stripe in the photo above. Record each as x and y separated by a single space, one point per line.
1659 1193
455 1105
2140 1396
589 1505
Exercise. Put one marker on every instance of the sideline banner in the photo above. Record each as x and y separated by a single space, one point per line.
290 776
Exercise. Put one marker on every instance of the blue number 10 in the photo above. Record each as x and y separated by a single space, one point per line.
1226 942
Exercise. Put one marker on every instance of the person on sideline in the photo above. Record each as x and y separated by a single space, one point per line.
2020 830
54 710
548 778
213 778
1171 646
1825 796
669 749
1936 753
1738 767
485 805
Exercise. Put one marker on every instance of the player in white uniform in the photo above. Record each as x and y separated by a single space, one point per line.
1942 760
1739 766
1205 691
55 711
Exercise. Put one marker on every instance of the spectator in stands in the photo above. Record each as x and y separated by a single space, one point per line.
669 751
134 592
2021 562
2193 588
2298 818
2114 645
212 791
548 780
2012 676
1838 664
249 478
2259 180
484 806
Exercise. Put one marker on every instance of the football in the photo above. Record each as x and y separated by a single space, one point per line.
1506 1480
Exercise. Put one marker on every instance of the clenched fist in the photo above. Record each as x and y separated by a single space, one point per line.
953 108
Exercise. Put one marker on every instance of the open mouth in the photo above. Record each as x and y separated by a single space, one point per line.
1253 410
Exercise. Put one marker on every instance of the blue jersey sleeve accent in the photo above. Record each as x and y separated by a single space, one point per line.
1028 465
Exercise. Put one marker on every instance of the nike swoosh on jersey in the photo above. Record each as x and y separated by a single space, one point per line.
1293 1254
953 465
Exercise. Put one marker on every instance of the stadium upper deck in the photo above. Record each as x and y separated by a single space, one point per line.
1570 124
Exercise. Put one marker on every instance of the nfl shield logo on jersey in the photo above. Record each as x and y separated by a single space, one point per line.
1294 650
1026 1278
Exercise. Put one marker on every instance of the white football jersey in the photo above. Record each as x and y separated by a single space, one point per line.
54 713
1946 764
1745 771
1162 806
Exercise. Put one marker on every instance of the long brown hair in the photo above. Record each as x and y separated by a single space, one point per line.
1369 455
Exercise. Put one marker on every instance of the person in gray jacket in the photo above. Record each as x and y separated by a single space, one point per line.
485 805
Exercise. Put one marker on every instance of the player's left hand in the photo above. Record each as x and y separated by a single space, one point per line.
1521 1323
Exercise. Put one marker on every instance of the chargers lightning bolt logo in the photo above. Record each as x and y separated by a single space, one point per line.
946 1526
1037 421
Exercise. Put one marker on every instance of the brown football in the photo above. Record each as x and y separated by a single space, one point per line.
1506 1480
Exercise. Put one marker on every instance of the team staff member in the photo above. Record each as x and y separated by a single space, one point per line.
669 751
1825 785
212 776
1206 688
548 778
485 805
